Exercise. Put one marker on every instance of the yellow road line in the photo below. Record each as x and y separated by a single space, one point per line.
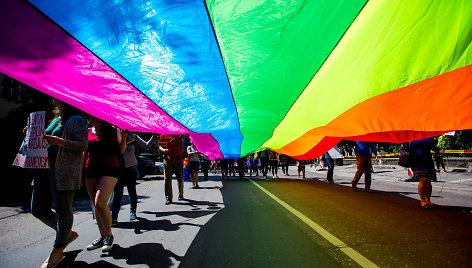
356 256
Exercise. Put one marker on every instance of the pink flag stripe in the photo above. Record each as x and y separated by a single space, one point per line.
38 53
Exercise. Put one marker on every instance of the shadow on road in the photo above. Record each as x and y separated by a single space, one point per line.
149 254
144 225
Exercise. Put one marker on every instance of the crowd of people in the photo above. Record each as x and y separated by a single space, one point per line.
103 157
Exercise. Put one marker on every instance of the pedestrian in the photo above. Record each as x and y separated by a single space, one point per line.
364 151
330 164
437 156
274 163
106 143
42 198
250 161
284 163
423 168
129 174
301 167
171 147
205 164
241 166
223 163
328 157
256 163
231 168
214 166
66 148
264 159
194 162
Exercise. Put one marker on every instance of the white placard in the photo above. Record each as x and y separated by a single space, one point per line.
33 152
335 153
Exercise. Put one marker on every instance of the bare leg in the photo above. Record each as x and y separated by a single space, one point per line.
99 192
195 175
105 187
424 190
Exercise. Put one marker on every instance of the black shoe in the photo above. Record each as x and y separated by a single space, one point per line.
114 222
181 198
96 243
107 243
168 202
354 186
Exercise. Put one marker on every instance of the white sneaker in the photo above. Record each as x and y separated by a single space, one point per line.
107 243
96 243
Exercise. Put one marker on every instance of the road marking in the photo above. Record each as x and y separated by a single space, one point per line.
356 256
461 180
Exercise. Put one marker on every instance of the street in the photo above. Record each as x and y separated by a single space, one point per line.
288 222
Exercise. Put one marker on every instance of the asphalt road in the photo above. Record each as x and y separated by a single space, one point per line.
288 222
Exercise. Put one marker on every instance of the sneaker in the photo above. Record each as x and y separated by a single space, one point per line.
114 222
168 202
181 198
96 243
132 216
107 243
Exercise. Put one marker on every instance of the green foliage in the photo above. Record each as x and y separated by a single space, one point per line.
461 141
389 147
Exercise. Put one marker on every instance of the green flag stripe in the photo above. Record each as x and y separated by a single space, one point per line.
390 45
271 50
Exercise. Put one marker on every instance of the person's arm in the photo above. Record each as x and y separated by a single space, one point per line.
373 148
79 141
161 148
123 139
142 144
435 148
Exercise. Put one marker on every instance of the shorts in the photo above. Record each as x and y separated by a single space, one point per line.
194 166
420 172
302 168
97 173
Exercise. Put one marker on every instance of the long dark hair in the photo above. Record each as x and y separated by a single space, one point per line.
68 111
107 136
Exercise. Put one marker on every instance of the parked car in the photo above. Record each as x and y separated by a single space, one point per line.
150 164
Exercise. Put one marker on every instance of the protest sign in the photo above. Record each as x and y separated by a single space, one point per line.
33 152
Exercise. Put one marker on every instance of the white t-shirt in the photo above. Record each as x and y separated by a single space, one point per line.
192 157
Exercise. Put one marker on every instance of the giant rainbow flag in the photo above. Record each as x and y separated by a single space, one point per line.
294 76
